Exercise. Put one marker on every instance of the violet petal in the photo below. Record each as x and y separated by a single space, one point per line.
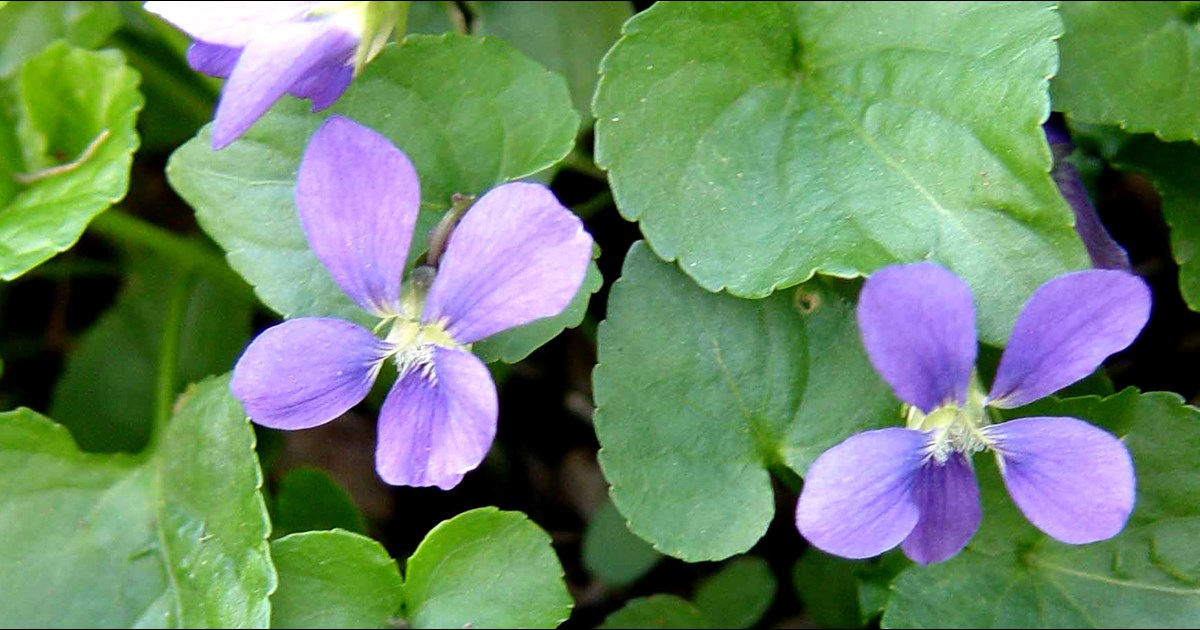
214 60
438 421
269 66
1104 251
306 372
918 327
1072 480
857 500
324 85
1070 325
358 197
948 498
516 256
229 23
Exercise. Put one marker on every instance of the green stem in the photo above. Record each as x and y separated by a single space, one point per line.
189 254
580 163
597 203
166 373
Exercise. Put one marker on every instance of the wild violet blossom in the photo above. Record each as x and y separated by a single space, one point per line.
516 256
915 487
267 49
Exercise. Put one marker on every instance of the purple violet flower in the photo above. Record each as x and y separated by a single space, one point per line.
516 256
915 487
267 49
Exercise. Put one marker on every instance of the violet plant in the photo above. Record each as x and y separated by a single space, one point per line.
472 314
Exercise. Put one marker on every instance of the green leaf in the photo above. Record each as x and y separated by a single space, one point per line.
1013 576
611 552
335 579
760 142
1131 65
471 113
431 17
308 499
569 38
656 611
486 569
738 595
107 394
1172 168
75 122
26 28
828 587
699 394
174 538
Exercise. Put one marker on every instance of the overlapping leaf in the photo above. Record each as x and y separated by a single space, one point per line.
758 143
699 394
173 538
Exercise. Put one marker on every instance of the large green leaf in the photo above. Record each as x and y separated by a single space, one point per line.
1013 576
486 569
656 611
75 113
699 394
1172 167
335 579
308 498
174 538
107 394
569 38
760 142
1131 64
28 27
471 113
738 595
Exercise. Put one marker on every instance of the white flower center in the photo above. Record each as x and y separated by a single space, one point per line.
953 428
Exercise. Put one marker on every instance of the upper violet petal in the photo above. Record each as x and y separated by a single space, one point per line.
1105 252
1072 480
358 197
948 498
306 372
516 256
270 65
214 60
438 422
1070 325
918 327
229 23
324 85
857 498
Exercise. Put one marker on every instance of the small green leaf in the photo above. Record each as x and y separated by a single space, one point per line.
335 579
699 394
309 499
470 113
107 396
758 143
76 128
1130 64
1011 575
611 552
569 38
26 28
657 611
1172 168
174 538
486 569
738 595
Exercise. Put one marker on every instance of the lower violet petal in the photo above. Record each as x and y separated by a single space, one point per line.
214 60
1072 480
857 499
948 498
306 372
438 421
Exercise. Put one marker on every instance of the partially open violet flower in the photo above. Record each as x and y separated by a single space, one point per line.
915 487
516 256
268 49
